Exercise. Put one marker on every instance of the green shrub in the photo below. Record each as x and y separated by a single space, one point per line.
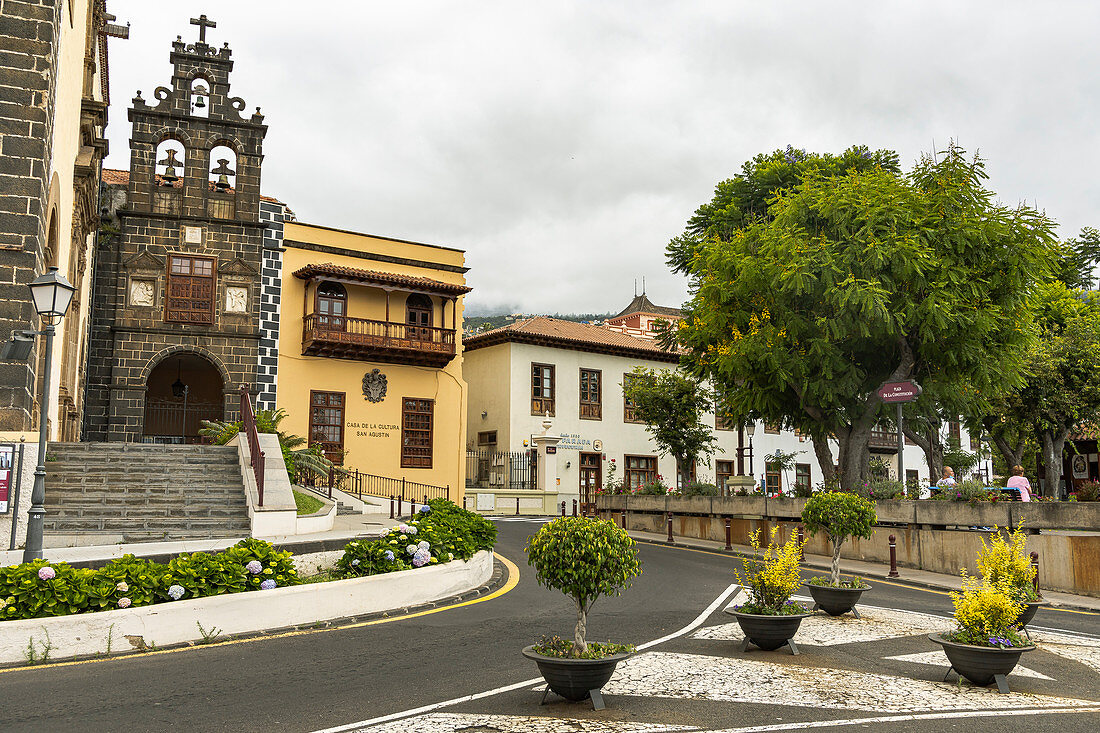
584 559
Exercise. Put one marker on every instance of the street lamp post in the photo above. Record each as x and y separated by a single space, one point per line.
51 294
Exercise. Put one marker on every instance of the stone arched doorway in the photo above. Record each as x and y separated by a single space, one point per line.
182 390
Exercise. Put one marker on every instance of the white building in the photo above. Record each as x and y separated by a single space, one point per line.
575 371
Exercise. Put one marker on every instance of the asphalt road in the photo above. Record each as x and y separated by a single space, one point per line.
333 677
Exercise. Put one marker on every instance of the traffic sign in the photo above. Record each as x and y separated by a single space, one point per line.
900 391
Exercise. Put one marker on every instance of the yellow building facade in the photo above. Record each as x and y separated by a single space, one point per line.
370 353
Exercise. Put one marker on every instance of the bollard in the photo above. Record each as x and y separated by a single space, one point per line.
893 558
801 541
574 507
400 498
622 519
391 506
729 534
1035 564
517 506
563 508
670 540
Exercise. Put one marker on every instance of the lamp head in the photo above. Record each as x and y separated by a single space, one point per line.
51 294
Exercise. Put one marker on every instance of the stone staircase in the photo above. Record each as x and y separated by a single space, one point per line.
144 493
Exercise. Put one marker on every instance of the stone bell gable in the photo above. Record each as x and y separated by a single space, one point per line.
176 327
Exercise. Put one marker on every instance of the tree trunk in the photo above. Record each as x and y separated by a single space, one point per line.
824 455
1053 444
837 542
580 646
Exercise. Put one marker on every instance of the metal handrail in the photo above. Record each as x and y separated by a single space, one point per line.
248 427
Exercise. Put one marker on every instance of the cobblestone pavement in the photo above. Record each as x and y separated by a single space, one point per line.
879 669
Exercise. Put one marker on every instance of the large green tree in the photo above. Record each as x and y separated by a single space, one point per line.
805 297
671 405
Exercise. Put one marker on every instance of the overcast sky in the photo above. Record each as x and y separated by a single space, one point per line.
562 144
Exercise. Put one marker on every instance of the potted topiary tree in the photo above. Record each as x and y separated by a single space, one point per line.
770 619
584 559
985 646
1006 563
839 515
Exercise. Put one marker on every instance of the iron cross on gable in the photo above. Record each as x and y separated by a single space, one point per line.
203 23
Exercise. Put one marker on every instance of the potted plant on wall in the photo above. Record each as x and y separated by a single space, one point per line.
770 619
840 516
584 559
985 646
1007 564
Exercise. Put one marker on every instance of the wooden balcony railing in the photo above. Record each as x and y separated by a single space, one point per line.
364 339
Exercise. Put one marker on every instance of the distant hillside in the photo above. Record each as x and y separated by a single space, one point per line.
477 324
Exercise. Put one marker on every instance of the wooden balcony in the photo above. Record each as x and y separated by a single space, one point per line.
363 339
883 441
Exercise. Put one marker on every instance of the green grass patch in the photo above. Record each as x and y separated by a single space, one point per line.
307 504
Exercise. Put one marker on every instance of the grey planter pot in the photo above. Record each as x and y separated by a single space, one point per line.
576 679
981 665
768 632
836 601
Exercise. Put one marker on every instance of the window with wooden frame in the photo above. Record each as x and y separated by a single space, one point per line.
542 389
416 432
802 475
773 478
331 306
591 394
640 470
630 413
723 470
771 428
326 423
191 282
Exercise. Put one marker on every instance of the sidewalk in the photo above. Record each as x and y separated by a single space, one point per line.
909 576
345 529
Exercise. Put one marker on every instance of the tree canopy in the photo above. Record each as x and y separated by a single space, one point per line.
814 279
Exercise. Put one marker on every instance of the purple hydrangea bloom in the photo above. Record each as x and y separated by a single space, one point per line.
254 567
124 602
267 584
175 592
389 554
47 573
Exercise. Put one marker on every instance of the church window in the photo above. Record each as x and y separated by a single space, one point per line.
332 307
416 432
591 408
222 182
190 289
326 423
418 317
542 389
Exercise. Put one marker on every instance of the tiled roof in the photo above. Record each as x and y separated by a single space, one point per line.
571 335
329 270
114 177
642 304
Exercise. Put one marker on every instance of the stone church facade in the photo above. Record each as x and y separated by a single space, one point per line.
176 324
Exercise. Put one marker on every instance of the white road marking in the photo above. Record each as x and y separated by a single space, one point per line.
365 724
902 719
939 659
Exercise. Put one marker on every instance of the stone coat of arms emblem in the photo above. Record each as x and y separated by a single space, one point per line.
374 386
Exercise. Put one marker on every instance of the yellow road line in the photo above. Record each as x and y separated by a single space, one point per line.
877 580
512 582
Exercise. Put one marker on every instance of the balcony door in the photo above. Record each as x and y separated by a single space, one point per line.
332 307
418 318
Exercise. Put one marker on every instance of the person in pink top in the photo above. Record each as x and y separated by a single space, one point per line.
1019 482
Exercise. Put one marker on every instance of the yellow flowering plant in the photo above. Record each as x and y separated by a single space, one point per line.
1006 563
986 614
770 575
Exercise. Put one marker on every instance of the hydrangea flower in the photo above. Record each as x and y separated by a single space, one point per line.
355 562
423 545
175 592
420 558
47 573
388 554
267 584
254 567
122 587
124 602
411 549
